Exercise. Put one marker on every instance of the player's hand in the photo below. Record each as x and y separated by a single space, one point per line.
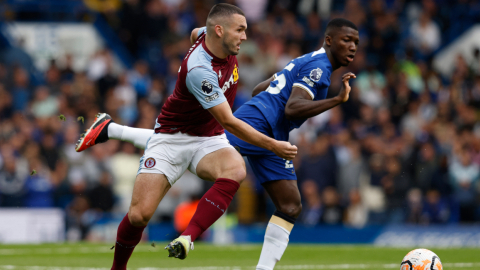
285 150
345 91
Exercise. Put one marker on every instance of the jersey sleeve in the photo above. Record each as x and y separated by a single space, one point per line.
310 79
203 84
202 30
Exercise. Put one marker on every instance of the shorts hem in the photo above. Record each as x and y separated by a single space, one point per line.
263 182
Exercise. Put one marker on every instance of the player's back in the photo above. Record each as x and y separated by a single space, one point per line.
310 72
197 89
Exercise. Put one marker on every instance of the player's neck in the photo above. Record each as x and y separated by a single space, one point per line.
334 63
215 47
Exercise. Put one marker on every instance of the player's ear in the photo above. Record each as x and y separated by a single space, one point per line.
328 40
219 30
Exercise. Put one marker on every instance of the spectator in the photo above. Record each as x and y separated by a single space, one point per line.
395 185
139 78
101 196
333 212
13 177
39 188
356 214
425 34
67 72
20 90
312 206
127 97
436 210
464 176
425 167
351 171
320 165
44 105
371 83
414 206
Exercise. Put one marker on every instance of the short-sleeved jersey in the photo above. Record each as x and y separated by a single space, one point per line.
310 72
203 82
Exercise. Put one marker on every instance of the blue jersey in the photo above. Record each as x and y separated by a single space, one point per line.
310 72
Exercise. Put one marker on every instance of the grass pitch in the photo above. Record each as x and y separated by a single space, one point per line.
81 256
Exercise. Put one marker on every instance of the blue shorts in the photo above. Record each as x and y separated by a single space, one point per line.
265 164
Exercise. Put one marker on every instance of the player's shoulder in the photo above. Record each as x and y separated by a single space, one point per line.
200 71
316 64
199 58
317 58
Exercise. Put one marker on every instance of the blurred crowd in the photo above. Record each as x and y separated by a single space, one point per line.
404 149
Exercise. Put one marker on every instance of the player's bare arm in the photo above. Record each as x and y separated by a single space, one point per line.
301 106
262 86
223 114
194 35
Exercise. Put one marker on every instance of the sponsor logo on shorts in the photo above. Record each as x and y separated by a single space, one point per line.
212 97
288 164
207 87
150 162
308 81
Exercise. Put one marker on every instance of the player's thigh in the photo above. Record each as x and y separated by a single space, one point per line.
148 190
223 163
278 178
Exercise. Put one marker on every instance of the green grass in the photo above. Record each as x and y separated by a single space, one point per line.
233 257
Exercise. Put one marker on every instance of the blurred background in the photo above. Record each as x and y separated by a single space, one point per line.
397 161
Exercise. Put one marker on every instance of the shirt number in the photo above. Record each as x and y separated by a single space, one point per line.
280 81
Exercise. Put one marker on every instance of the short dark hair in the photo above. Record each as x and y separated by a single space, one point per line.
338 23
224 10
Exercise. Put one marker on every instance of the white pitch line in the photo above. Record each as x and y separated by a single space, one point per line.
287 267
66 250
84 250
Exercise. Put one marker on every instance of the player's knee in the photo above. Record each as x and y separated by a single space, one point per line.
292 209
138 218
238 174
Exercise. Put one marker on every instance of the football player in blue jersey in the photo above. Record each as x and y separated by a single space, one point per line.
282 103
279 105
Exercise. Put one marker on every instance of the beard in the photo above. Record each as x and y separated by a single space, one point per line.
229 47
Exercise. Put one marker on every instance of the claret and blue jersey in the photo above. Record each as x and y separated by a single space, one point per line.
204 81
266 112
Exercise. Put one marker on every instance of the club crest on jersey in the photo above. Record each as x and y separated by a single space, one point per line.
316 74
207 87
150 162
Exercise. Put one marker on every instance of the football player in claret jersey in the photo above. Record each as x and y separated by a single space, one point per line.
189 135
279 105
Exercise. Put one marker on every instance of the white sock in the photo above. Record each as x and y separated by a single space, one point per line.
137 136
276 241
115 131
